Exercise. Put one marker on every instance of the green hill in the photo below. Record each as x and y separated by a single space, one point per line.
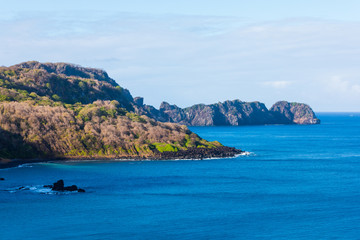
59 110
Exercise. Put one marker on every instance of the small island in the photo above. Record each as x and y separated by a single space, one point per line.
231 113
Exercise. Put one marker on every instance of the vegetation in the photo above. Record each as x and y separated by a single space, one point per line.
94 130
64 85
65 111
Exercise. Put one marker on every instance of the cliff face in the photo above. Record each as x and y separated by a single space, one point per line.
235 113
227 113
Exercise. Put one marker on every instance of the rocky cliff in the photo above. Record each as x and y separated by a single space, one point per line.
233 113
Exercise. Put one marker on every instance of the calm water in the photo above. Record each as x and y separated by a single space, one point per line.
299 182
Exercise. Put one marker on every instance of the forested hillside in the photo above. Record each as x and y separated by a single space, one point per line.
67 111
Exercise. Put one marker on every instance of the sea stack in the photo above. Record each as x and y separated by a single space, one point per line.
298 113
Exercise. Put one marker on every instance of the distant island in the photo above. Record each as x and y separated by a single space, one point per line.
52 111
231 113
60 111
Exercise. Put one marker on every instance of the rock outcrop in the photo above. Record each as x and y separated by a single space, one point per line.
233 113
60 187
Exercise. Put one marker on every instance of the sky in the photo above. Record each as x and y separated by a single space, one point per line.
190 52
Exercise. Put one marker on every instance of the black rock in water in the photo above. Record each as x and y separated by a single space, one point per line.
59 186
71 188
2 179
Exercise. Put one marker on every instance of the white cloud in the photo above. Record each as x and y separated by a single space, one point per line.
277 84
340 85
191 59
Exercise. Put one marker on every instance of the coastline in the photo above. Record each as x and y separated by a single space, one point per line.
190 154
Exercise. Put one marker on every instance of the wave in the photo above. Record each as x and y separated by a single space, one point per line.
36 189
246 154
26 165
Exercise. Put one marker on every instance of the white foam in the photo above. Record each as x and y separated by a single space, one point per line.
44 190
35 189
200 159
29 165
246 154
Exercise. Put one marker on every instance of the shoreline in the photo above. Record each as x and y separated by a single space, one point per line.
191 154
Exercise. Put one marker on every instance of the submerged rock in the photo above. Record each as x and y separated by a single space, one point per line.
2 179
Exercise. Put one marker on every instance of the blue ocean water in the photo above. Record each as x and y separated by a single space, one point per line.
299 182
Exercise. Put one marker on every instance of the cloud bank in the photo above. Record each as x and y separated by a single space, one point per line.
192 59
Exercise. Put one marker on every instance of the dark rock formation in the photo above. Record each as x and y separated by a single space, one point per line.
2 179
233 113
174 113
201 153
139 101
71 188
59 186
152 112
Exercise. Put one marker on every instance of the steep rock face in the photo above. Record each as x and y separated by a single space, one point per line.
298 113
244 113
148 110
219 114
174 113
139 101
235 113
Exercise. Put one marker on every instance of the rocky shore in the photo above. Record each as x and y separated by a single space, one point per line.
202 153
190 153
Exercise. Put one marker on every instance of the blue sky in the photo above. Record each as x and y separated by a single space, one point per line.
189 52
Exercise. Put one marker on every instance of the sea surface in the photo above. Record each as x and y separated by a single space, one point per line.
298 182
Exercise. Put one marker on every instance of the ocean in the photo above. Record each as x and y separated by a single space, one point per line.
297 182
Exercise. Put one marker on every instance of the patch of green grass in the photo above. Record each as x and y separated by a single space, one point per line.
164 147
136 118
